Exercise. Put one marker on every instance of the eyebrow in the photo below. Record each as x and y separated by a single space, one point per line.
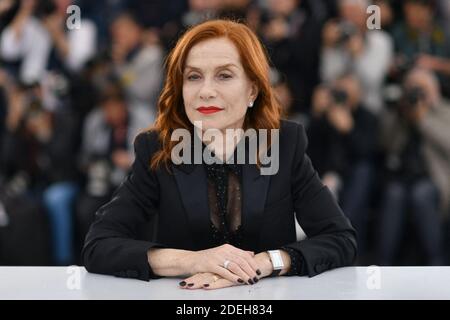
219 67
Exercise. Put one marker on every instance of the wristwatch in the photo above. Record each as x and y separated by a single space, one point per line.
277 262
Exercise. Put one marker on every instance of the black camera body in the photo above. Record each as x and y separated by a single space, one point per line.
339 96
412 96
45 8
347 30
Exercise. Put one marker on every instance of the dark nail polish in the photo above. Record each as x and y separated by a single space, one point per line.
182 283
240 280
206 285
258 272
190 284
255 279
250 281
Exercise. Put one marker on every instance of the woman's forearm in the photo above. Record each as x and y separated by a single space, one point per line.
175 262
171 262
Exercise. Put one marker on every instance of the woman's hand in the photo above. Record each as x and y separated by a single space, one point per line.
207 281
241 266
210 281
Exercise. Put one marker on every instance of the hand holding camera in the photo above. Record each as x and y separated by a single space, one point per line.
333 103
343 33
340 118
414 103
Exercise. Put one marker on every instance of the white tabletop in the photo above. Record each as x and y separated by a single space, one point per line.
344 283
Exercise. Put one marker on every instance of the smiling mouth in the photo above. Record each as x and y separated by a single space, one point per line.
209 110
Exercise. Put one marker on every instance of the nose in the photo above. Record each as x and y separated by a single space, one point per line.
207 91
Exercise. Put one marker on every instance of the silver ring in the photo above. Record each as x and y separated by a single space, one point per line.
226 263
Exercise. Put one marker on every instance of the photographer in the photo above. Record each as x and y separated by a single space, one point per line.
414 137
138 64
342 145
291 32
37 40
421 41
37 160
348 46
107 149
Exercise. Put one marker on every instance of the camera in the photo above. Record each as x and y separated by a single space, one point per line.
45 8
34 106
347 30
412 96
340 97
401 98
33 102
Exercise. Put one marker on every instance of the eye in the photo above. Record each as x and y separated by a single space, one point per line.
225 76
193 77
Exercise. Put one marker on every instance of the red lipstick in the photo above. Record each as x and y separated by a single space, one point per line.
209 109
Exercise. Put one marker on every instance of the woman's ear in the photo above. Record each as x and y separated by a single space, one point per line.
254 91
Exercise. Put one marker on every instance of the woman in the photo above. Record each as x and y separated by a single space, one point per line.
225 224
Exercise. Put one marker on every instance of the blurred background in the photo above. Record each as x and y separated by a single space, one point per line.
374 103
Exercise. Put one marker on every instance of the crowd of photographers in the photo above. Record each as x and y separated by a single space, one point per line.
373 101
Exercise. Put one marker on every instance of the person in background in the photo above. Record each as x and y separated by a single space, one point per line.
422 41
137 64
38 155
348 46
107 149
290 33
414 137
387 13
38 40
342 144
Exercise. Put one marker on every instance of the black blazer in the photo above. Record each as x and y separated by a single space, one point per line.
118 240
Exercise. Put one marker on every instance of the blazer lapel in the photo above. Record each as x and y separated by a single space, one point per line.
192 184
254 193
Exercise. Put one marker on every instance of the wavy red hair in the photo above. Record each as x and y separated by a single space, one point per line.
265 113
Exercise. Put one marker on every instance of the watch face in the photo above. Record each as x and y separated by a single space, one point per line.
277 261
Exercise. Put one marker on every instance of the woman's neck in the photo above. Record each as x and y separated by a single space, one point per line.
221 142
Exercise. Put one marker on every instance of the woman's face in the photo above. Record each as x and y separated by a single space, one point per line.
216 89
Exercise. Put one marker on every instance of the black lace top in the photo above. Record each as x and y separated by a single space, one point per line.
225 199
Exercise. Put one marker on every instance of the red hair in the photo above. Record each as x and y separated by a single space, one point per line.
265 113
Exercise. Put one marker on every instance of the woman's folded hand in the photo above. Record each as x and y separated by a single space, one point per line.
210 280
228 262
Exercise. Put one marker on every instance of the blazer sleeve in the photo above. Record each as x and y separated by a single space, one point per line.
331 240
111 246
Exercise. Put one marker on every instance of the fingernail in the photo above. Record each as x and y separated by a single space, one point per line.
250 281
182 283
240 280
255 279
190 284
258 272
206 285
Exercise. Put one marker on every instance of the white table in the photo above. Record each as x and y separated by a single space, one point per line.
69 283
